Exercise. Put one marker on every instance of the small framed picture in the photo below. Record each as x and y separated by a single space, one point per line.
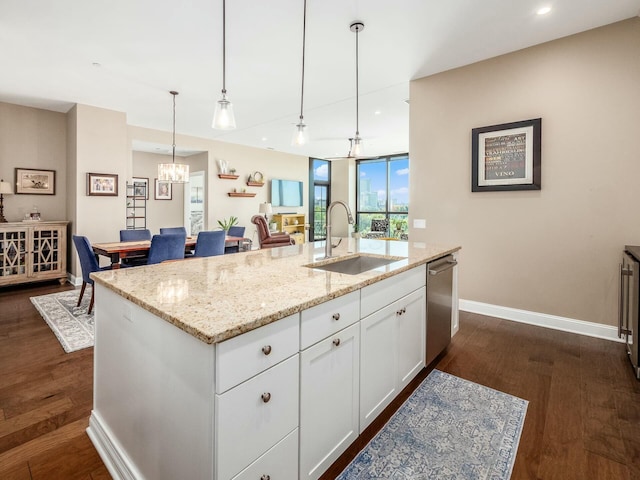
102 184
506 156
163 190
141 187
30 181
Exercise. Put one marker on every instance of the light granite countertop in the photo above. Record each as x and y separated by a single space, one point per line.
217 298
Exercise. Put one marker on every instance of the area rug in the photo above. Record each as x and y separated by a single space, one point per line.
449 428
72 325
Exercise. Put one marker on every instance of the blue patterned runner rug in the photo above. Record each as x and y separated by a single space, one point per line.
449 428
71 325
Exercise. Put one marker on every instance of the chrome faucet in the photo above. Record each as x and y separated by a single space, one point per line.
328 246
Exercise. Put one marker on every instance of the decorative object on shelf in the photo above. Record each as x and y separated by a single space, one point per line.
5 189
256 179
232 171
301 132
35 182
266 209
163 190
173 172
227 223
241 194
34 216
223 166
141 187
357 149
223 118
102 184
506 156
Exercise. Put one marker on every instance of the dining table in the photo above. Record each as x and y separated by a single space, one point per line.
116 251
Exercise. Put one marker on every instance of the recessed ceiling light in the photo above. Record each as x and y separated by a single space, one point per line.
264 139
543 10
96 64
377 112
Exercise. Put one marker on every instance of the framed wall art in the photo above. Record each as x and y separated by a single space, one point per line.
506 156
141 187
102 184
30 181
163 190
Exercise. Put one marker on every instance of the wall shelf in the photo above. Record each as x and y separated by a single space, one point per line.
227 176
255 184
238 194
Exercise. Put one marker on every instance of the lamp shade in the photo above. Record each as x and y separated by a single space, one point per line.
173 172
265 208
6 188
223 118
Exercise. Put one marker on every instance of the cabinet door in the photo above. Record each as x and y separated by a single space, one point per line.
411 328
48 251
378 360
329 400
14 267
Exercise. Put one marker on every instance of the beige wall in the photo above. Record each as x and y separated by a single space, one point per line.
556 250
33 138
343 187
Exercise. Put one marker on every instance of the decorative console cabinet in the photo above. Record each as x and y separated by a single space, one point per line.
291 223
31 252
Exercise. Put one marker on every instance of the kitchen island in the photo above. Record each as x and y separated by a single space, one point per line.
253 365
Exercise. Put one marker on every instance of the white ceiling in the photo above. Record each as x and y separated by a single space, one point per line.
145 48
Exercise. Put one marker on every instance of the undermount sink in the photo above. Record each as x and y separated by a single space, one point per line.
354 265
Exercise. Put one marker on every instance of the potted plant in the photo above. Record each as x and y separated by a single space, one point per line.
226 224
355 233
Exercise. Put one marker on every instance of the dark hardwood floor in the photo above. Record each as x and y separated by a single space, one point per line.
583 420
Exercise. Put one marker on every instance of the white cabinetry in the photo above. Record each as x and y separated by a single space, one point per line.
392 341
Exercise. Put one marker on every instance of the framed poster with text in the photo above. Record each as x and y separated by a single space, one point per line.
506 156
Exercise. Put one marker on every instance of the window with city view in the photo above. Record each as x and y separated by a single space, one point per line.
383 194
320 175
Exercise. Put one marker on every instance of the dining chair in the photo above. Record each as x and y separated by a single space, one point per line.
210 244
234 232
167 246
134 235
266 238
88 264
180 230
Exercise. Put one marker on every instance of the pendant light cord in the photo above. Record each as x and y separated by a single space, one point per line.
174 125
304 40
357 90
224 47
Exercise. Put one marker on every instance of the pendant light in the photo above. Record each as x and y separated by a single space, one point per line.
357 150
173 172
301 132
223 118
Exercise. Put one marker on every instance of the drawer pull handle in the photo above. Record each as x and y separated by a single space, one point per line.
336 316
266 397
265 477
266 349
336 342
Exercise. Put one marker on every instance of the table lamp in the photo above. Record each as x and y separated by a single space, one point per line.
5 189
266 209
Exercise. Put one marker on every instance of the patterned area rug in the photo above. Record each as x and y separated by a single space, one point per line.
449 428
72 325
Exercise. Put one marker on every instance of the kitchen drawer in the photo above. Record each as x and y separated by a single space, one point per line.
325 319
246 425
246 355
374 297
279 463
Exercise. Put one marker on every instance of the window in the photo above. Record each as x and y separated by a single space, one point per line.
383 195
320 181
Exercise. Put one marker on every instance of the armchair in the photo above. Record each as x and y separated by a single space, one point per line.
266 238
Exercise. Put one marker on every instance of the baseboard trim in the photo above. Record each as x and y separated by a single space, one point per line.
119 467
590 329
73 280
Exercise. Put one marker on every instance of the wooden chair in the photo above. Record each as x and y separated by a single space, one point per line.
266 239
88 264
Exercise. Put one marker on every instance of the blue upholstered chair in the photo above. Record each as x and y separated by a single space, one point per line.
88 264
209 244
134 235
234 232
168 246
180 230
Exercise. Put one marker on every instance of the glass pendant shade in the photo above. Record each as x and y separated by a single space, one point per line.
300 134
173 172
223 118
358 149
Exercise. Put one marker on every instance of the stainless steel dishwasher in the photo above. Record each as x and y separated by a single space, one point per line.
439 305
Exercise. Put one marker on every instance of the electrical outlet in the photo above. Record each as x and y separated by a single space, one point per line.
419 223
